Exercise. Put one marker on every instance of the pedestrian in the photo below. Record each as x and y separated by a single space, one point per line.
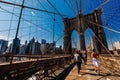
78 60
85 57
95 61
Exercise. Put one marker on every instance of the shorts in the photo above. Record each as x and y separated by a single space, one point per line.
95 62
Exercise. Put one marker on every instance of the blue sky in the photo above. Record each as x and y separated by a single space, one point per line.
39 24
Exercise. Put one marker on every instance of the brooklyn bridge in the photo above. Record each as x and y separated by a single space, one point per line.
38 39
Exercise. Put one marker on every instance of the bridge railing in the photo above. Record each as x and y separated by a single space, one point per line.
41 67
111 64
7 57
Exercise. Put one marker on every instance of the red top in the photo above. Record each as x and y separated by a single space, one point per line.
94 55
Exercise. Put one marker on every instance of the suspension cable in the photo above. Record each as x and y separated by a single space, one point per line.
104 63
11 22
51 16
102 4
27 20
107 27
32 8
54 19
71 7
104 27
77 12
30 33
55 8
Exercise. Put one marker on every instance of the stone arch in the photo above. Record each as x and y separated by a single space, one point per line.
76 37
69 26
81 23
94 37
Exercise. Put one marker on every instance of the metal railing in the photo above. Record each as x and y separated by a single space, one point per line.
24 66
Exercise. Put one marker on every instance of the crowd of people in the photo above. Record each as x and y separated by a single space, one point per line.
81 57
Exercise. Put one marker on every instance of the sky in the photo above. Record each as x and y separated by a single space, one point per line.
39 24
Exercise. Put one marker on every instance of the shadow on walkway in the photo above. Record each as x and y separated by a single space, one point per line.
65 73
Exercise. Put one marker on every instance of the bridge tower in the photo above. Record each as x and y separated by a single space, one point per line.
80 23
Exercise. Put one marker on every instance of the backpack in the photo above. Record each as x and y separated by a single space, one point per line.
78 58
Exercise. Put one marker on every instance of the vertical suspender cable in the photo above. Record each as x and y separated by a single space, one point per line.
110 36
54 20
22 27
19 19
106 23
14 42
10 22
81 11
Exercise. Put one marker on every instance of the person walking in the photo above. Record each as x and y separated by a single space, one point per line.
95 61
84 53
78 60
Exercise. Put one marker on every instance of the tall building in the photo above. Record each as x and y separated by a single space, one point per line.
15 46
22 49
43 41
29 46
117 45
58 50
3 45
36 48
93 43
43 48
54 44
9 49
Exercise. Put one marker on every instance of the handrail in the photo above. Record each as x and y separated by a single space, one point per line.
20 68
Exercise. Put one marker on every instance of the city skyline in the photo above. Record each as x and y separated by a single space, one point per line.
40 24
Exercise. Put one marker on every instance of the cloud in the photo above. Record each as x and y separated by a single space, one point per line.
5 38
33 13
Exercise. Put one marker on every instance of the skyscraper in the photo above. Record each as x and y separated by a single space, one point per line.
9 49
15 46
29 46
117 45
36 48
43 41
3 45
93 43
43 48
23 48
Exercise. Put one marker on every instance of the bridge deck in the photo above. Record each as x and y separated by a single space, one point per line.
87 73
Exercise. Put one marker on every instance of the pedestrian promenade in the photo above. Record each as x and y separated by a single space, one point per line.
87 73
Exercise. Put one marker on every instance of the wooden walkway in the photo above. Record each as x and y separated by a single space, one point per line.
87 73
